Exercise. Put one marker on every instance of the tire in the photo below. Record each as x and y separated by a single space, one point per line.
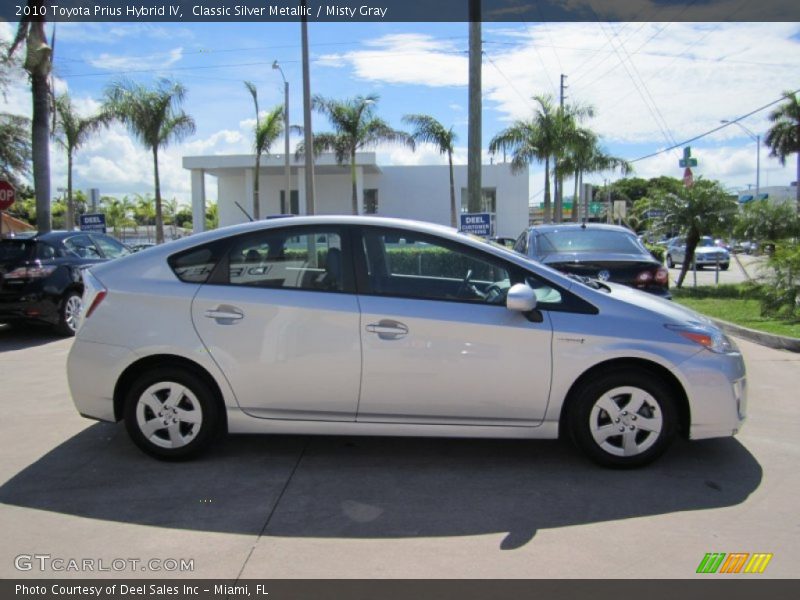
171 414
69 313
603 405
724 266
670 264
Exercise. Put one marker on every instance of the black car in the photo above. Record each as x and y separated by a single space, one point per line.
40 276
604 252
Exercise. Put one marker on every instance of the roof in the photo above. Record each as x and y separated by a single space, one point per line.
553 227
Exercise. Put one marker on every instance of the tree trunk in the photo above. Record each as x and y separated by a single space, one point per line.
546 216
558 207
797 179
40 148
256 208
69 222
692 237
353 181
575 201
453 213
159 217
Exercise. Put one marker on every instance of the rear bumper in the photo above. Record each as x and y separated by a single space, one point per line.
35 306
92 373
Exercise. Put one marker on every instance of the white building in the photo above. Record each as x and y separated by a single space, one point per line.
412 192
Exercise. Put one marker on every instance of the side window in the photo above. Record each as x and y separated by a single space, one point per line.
82 246
195 265
295 259
410 265
111 248
45 251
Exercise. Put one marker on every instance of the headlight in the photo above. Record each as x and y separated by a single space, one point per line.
710 338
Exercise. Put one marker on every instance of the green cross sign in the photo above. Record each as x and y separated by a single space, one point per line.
687 160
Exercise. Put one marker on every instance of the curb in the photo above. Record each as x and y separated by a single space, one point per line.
779 342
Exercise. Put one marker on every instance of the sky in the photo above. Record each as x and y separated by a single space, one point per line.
652 85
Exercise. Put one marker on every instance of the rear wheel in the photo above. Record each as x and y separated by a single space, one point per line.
69 313
724 266
171 414
670 264
623 419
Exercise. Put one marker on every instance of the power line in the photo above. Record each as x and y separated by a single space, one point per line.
710 131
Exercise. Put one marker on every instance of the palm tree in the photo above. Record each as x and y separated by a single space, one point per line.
783 138
38 63
171 208
71 132
355 127
535 139
427 129
267 131
586 156
153 115
701 209
567 134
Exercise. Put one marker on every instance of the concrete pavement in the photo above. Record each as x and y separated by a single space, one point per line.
273 507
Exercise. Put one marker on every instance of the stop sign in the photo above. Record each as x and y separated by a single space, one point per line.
7 195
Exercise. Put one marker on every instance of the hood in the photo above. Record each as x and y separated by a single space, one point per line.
669 311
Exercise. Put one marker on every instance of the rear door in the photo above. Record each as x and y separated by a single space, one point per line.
280 318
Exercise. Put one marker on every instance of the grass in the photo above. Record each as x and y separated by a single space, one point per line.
741 311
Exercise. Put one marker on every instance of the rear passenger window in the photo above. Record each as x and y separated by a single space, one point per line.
196 264
306 260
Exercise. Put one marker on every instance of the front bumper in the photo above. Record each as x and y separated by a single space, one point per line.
717 391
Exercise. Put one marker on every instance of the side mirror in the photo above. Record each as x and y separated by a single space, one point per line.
521 298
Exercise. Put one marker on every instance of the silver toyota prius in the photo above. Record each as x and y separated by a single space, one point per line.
343 325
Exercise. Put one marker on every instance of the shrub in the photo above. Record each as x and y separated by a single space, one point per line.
780 298
658 252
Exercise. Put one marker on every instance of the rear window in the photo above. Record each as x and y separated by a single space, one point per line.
14 250
589 240
196 264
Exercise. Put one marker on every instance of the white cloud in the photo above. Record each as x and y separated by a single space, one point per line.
111 62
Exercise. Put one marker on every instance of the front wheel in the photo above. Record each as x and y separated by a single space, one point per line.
623 419
171 414
724 266
670 264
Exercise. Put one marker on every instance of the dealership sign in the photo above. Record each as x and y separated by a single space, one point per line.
93 222
479 224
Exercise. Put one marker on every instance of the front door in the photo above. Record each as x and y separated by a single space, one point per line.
439 344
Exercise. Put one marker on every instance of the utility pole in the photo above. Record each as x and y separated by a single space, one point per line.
559 203
308 136
474 126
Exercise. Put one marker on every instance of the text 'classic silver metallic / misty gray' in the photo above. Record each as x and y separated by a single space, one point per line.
372 326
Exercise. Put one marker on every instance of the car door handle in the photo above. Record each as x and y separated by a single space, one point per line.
225 313
388 329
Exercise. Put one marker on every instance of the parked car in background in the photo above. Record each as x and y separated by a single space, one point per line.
41 276
706 254
141 246
347 325
599 251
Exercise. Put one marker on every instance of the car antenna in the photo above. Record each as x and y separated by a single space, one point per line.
246 214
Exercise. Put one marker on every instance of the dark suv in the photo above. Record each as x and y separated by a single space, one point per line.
40 276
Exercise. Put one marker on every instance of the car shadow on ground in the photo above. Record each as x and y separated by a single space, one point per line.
353 487
21 336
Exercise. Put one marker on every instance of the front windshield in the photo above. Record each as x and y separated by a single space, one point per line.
588 240
706 242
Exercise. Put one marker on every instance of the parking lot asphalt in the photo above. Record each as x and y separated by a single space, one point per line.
739 271
347 507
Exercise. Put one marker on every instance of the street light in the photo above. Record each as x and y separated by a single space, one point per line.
757 138
286 167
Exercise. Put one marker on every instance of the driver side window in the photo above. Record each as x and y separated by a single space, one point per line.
405 264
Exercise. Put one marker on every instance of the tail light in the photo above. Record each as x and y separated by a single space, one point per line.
644 278
34 271
94 292
662 276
